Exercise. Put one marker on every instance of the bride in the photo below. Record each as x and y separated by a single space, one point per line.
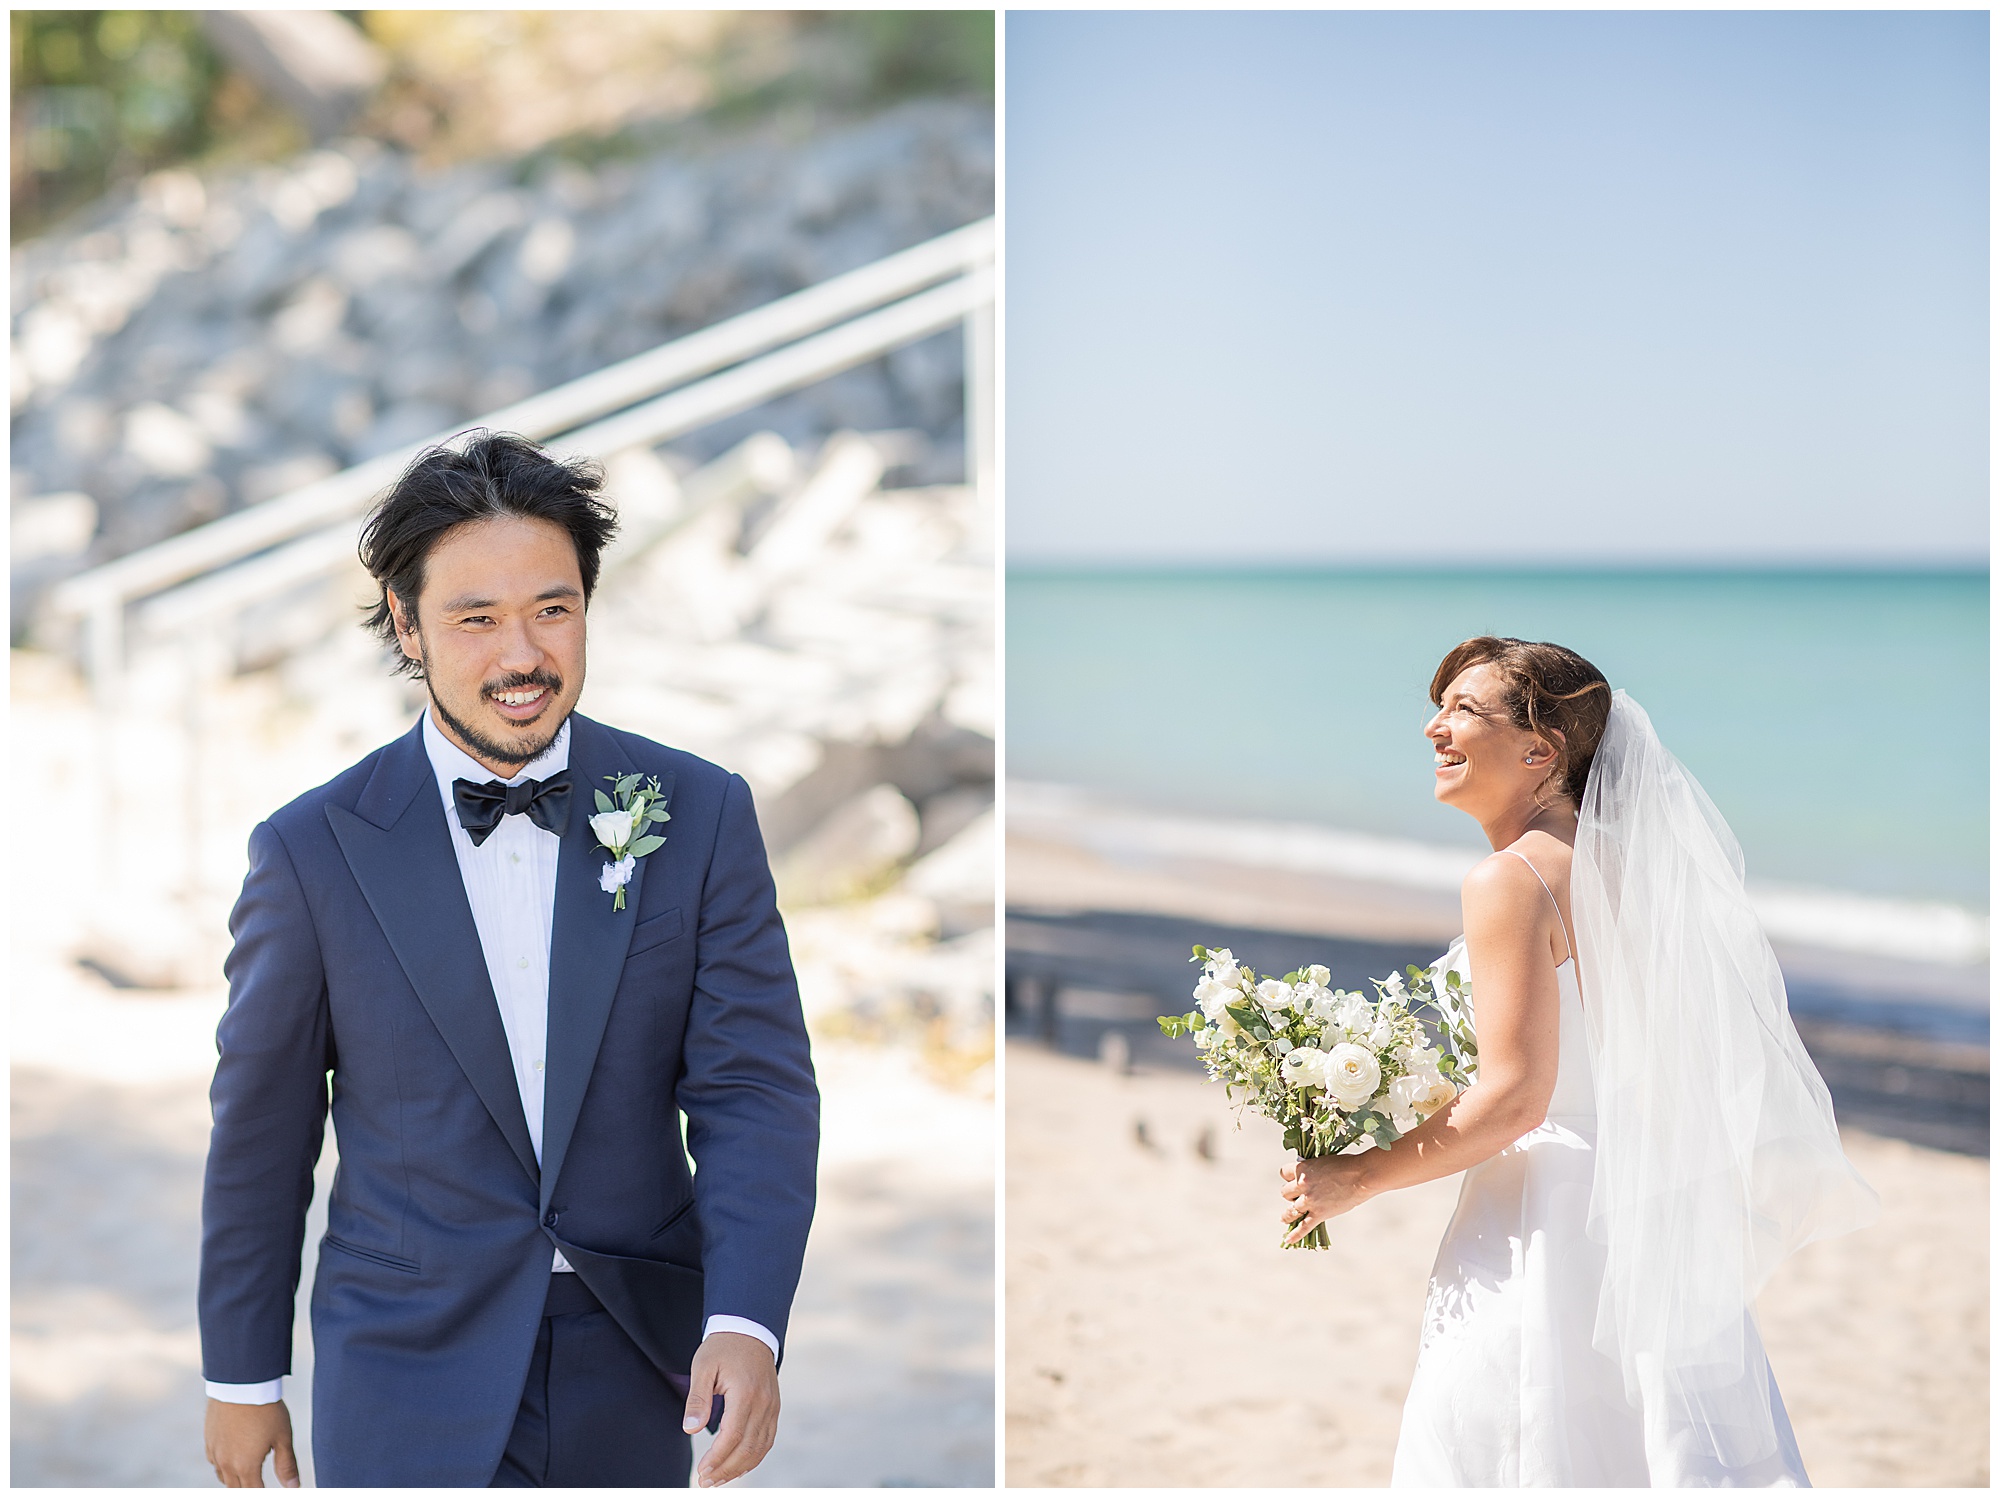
1646 1138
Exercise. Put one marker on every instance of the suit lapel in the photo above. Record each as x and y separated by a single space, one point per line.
399 849
587 951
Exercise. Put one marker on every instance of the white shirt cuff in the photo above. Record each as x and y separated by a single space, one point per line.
741 1324
268 1392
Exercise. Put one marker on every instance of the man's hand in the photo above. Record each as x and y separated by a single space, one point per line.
240 1436
742 1371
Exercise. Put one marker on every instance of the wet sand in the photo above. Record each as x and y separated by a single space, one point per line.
1157 1335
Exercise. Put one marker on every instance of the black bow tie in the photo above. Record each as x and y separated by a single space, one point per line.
480 807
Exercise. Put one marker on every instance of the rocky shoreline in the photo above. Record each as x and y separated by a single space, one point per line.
197 344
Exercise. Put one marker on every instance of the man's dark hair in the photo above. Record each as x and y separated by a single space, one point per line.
495 473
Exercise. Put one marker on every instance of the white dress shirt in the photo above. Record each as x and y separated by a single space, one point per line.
510 882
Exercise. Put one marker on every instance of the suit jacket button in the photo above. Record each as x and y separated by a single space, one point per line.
550 1220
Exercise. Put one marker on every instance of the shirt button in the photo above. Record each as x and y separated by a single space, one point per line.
514 857
551 1220
523 962
538 1066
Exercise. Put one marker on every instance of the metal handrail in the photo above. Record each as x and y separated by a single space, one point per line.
234 537
659 420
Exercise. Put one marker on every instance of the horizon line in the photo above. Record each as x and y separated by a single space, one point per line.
1901 566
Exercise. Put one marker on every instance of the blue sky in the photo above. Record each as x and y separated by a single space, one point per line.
1480 286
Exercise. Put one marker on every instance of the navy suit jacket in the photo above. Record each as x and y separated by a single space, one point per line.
357 983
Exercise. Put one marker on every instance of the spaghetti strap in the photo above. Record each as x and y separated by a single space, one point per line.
1567 941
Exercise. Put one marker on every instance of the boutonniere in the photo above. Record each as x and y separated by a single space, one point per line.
620 824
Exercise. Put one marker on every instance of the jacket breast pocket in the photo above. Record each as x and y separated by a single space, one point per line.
655 931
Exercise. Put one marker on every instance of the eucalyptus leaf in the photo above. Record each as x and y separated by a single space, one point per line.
645 845
603 802
626 784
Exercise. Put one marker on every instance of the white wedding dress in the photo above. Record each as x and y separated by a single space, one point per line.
1510 1390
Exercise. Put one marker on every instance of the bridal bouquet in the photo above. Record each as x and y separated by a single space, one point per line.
1341 1072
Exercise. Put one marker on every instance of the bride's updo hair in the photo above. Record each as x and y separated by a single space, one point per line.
1547 688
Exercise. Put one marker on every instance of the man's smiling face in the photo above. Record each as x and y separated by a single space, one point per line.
499 629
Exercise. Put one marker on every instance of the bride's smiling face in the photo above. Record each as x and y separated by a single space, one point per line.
1484 764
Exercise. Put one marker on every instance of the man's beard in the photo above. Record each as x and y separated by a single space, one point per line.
522 750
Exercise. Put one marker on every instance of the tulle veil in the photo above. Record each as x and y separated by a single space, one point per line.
1717 1153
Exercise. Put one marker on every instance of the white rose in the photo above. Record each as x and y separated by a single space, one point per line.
1274 995
614 828
616 875
1305 1066
1318 976
1352 1074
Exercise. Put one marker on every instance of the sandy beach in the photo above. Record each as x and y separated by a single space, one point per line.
1157 1335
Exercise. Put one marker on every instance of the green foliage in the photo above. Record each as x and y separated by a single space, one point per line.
100 95
913 52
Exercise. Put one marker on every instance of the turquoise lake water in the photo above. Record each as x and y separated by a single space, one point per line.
1839 720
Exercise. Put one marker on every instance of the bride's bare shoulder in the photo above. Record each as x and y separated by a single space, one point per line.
1498 885
1549 853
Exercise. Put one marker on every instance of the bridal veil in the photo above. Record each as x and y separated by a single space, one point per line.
1717 1153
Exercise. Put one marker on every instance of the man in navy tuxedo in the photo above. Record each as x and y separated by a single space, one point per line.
522 1282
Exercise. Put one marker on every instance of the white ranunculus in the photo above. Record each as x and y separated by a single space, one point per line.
1352 1074
616 875
1402 1102
1319 976
1305 1066
1427 1091
614 828
1275 995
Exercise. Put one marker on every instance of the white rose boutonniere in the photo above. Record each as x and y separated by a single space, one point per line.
620 828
